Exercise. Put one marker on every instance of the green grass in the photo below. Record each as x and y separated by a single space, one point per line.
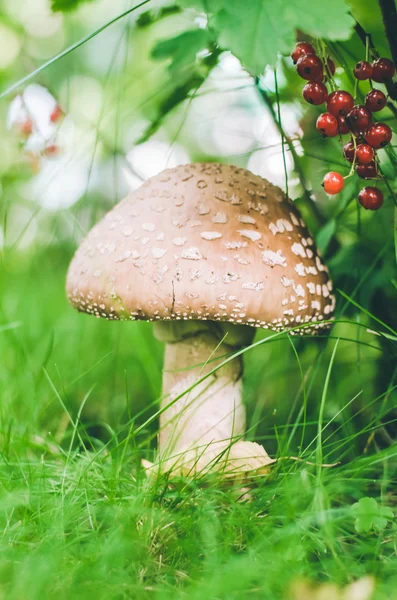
80 519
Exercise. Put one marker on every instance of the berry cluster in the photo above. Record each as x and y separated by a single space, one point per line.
344 117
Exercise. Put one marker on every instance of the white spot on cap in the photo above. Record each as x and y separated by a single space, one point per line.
220 217
148 226
257 287
222 195
299 291
246 219
203 209
254 236
298 249
128 254
236 199
180 222
229 277
179 241
319 264
283 225
195 223
194 274
286 282
210 235
300 269
274 258
161 271
192 254
311 287
235 245
158 252
240 260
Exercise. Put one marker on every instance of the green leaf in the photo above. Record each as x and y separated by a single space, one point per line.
181 49
197 4
66 5
257 30
369 515
254 31
330 20
325 234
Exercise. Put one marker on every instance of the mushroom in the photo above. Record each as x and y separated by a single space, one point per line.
209 252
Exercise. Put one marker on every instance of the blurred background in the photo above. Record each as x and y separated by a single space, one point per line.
105 117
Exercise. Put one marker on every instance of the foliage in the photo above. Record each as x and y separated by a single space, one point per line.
369 515
181 49
278 18
78 396
67 5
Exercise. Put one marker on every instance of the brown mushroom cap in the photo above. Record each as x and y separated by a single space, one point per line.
204 242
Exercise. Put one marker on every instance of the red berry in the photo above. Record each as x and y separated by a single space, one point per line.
383 70
327 125
333 183
359 119
340 103
364 154
25 128
378 135
363 70
370 198
315 92
368 171
343 126
375 100
331 66
52 151
57 114
349 151
301 48
310 67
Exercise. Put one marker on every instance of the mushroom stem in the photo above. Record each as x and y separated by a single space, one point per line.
198 428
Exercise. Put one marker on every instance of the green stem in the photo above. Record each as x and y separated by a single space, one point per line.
70 49
367 41
312 215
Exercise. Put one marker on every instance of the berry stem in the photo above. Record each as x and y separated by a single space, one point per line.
364 36
353 167
312 214
323 55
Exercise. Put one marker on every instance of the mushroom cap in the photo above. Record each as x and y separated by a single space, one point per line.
203 241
